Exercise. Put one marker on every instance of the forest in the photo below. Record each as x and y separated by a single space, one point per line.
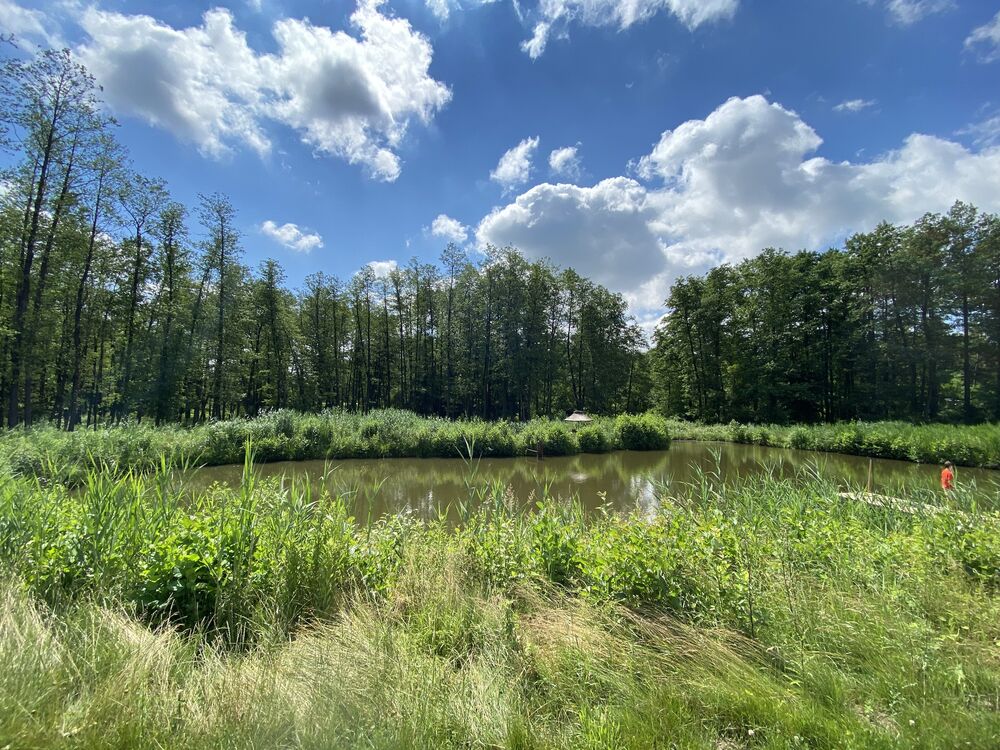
902 323
118 303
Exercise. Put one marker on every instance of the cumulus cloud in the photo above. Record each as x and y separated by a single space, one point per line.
291 236
382 268
556 15
448 228
565 162
605 231
854 105
514 167
201 83
354 98
348 96
984 41
723 188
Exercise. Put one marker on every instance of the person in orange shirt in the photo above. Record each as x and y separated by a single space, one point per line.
947 477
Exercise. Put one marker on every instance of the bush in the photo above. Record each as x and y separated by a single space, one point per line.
593 439
800 438
646 432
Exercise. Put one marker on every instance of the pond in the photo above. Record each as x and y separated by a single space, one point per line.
624 479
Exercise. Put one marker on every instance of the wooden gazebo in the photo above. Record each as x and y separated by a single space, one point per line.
578 418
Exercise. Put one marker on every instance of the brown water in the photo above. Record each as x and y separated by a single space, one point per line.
625 479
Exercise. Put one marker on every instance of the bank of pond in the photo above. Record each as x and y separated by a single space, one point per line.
339 435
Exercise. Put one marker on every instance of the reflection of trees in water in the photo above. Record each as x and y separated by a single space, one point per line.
624 479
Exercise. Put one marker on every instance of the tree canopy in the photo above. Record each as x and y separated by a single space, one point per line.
902 323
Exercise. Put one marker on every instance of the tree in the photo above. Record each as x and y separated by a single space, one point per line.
50 105
222 252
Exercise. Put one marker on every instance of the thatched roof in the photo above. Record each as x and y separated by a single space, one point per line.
577 416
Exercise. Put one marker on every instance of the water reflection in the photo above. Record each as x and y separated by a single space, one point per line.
625 479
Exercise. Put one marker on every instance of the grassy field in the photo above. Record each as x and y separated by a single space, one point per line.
965 445
761 614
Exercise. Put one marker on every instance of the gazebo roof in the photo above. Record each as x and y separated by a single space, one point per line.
577 416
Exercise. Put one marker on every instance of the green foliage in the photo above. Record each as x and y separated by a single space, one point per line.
767 613
900 323
594 439
642 433
965 445
289 436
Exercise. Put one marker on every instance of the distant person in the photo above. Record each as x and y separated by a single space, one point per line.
947 477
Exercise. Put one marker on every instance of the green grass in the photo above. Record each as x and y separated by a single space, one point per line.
760 614
291 436
965 445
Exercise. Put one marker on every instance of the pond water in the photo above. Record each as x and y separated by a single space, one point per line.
624 479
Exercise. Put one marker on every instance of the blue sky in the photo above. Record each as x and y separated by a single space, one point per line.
703 130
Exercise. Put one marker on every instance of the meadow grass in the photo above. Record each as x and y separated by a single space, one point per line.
334 434
964 445
764 613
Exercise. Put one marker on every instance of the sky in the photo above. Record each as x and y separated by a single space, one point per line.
636 141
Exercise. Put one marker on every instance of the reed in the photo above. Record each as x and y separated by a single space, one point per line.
965 445
291 436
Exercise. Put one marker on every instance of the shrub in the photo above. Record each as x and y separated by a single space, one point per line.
645 432
593 439
800 438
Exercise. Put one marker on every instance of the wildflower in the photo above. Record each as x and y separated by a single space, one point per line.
912 723
750 732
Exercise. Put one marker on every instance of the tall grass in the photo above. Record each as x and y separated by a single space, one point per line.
335 434
764 613
965 445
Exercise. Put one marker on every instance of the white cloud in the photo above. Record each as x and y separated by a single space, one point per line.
984 133
723 188
984 41
24 23
855 105
200 83
514 167
355 98
907 12
448 228
291 236
350 97
382 268
556 15
604 231
565 162
440 8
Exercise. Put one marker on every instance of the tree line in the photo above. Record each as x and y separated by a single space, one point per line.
901 323
117 302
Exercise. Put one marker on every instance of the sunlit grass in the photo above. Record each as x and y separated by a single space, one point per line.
764 613
335 434
965 445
